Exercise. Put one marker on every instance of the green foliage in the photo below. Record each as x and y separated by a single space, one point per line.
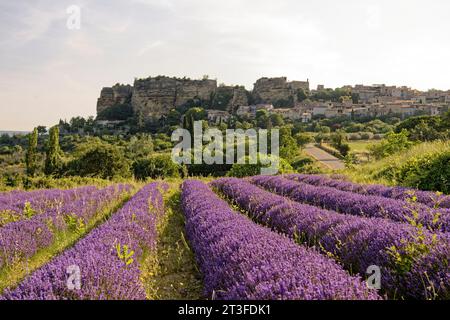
305 164
425 166
426 172
222 98
156 167
31 155
288 145
424 128
331 95
116 112
139 146
410 123
392 143
28 211
338 141
125 254
350 159
100 161
43 182
75 224
284 103
277 120
53 161
303 138
263 119
247 169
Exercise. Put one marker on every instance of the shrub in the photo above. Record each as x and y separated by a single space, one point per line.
378 136
429 172
101 161
354 136
155 167
116 112
392 143
247 169
367 135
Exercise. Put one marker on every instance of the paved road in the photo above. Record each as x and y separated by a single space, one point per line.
327 159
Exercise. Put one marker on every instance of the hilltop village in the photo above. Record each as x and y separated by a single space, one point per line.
154 98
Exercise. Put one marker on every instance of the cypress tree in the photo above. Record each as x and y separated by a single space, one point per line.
53 159
31 155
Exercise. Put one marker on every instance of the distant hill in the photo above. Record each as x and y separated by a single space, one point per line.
11 133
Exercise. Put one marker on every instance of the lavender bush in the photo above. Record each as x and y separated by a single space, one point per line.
357 204
107 258
431 199
22 239
241 260
356 242
18 205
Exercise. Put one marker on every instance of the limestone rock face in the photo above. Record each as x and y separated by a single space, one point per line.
155 97
240 98
278 91
116 94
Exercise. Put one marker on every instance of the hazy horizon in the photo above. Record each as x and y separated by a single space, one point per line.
48 71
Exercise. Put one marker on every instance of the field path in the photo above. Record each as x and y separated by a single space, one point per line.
324 157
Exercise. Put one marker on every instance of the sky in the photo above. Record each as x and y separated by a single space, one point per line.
49 71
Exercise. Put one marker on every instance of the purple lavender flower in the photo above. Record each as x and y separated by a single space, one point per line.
22 239
14 204
357 204
108 258
428 198
242 260
356 242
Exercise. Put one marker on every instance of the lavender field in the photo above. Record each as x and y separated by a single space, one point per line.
292 237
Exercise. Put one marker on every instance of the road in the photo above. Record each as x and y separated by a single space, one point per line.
324 157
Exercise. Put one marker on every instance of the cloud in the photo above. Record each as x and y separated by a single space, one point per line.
149 47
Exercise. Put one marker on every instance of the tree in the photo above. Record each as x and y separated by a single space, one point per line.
41 130
392 143
158 166
338 141
116 112
303 139
262 118
277 120
102 161
288 145
31 155
139 146
53 161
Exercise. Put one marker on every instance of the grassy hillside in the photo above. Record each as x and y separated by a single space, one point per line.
425 166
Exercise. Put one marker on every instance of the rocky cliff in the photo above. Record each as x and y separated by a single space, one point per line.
154 97
110 96
278 91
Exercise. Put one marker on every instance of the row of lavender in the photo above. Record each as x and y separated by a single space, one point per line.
17 205
106 263
20 240
431 199
242 260
361 205
356 242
